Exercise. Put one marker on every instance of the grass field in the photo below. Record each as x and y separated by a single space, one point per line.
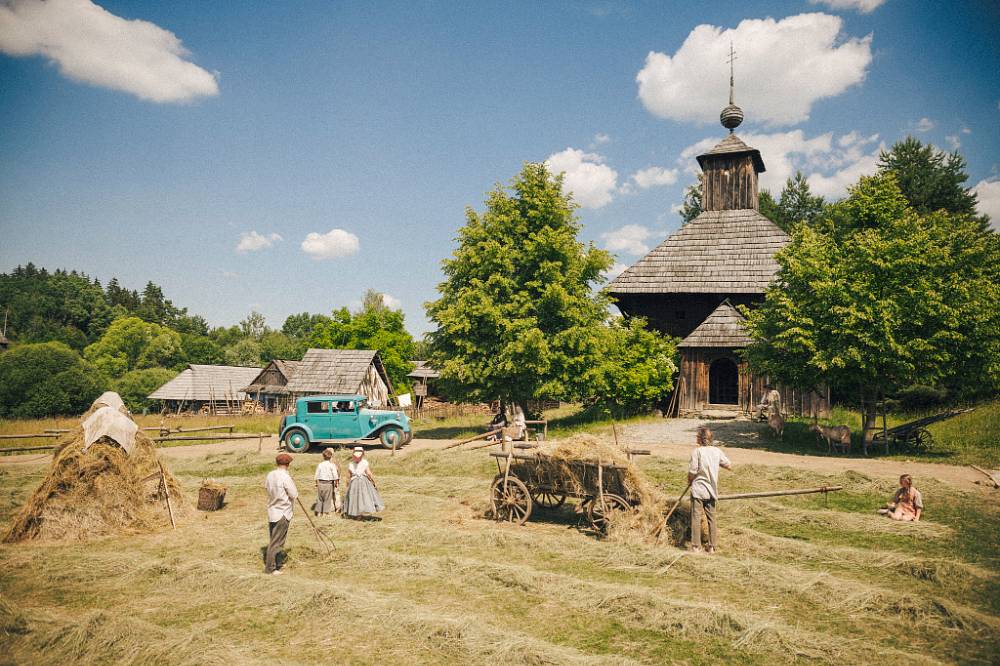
434 582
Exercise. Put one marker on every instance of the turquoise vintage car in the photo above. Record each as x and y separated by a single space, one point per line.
332 419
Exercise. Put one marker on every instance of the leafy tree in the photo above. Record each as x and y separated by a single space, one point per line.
245 353
134 386
795 204
226 336
890 299
636 369
45 379
277 345
300 326
929 178
43 306
201 350
254 326
691 207
768 206
374 326
518 317
132 344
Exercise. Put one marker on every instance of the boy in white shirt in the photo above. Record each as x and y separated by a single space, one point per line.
703 474
281 493
327 485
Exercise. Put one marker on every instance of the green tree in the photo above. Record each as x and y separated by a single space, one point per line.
201 350
300 326
929 178
254 326
277 345
132 344
795 204
889 299
46 379
691 206
134 386
375 326
518 317
245 353
636 368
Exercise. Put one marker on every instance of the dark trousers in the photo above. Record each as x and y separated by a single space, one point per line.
699 506
278 532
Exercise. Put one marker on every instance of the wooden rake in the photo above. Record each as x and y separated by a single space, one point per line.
322 538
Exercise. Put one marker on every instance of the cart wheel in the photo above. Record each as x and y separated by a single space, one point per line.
548 500
920 439
511 503
599 517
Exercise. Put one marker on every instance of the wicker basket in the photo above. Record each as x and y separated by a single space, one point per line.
211 496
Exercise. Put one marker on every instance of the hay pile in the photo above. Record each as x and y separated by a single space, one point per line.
100 492
629 482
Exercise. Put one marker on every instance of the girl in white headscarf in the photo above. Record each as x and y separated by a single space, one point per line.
362 495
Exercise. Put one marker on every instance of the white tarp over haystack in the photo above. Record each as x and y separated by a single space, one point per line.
111 423
110 399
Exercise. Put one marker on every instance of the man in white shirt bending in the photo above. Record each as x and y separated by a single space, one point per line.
281 493
703 473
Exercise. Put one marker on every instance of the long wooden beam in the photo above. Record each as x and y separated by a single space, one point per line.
780 493
29 435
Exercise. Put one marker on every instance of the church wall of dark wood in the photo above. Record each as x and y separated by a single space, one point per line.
730 183
678 314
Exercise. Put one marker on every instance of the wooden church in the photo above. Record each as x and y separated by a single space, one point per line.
689 285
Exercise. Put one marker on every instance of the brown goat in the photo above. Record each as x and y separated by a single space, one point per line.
837 437
776 422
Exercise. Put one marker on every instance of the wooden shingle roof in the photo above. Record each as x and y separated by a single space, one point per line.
718 252
207 382
259 383
723 328
733 145
334 371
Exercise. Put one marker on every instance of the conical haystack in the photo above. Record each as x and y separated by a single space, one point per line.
99 491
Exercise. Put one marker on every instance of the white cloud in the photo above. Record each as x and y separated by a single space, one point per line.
253 241
331 245
965 130
591 181
654 176
830 165
861 6
924 125
783 68
600 139
630 239
92 45
988 193
615 271
954 141
391 302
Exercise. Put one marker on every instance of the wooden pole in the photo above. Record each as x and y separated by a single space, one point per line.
27 448
780 493
989 476
198 438
29 436
166 495
663 523
260 441
472 439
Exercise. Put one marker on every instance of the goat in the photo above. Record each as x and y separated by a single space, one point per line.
837 437
776 422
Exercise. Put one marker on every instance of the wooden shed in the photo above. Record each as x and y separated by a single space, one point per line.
270 387
328 371
217 389
688 286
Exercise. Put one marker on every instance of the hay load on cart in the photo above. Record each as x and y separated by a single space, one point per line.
611 491
104 479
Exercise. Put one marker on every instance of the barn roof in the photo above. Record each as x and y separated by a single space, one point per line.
723 328
718 252
423 371
207 382
335 371
286 368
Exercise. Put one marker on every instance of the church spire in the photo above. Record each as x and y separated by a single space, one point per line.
732 115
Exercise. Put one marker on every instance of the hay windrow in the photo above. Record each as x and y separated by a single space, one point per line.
100 492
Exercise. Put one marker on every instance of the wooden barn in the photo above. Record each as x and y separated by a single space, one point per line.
269 388
689 285
329 371
215 389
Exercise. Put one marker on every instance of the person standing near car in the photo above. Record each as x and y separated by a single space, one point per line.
703 475
327 485
362 495
281 494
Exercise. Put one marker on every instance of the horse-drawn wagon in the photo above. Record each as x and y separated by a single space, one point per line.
914 435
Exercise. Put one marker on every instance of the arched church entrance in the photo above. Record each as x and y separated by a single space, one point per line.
723 382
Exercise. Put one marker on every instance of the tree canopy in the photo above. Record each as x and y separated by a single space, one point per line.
885 298
44 379
133 344
929 179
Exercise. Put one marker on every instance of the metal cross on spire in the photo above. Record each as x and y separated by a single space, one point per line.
732 58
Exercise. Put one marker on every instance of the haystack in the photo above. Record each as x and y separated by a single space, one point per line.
653 503
101 487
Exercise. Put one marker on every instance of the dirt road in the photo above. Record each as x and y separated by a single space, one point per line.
668 438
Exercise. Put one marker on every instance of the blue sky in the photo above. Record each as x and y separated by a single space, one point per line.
338 144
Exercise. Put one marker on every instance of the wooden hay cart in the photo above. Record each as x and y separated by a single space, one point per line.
525 480
914 435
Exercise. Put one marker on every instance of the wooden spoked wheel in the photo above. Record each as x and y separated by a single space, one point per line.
511 500
547 499
920 439
600 514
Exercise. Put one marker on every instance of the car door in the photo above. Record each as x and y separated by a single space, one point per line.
318 419
346 420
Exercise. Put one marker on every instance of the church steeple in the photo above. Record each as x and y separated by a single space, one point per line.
732 115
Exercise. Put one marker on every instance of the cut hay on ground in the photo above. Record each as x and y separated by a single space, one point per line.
100 492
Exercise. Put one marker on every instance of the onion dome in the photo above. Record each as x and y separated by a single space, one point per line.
731 117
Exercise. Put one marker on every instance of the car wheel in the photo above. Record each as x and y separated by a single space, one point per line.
297 441
391 437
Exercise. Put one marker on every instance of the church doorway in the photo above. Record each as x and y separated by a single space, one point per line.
723 382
